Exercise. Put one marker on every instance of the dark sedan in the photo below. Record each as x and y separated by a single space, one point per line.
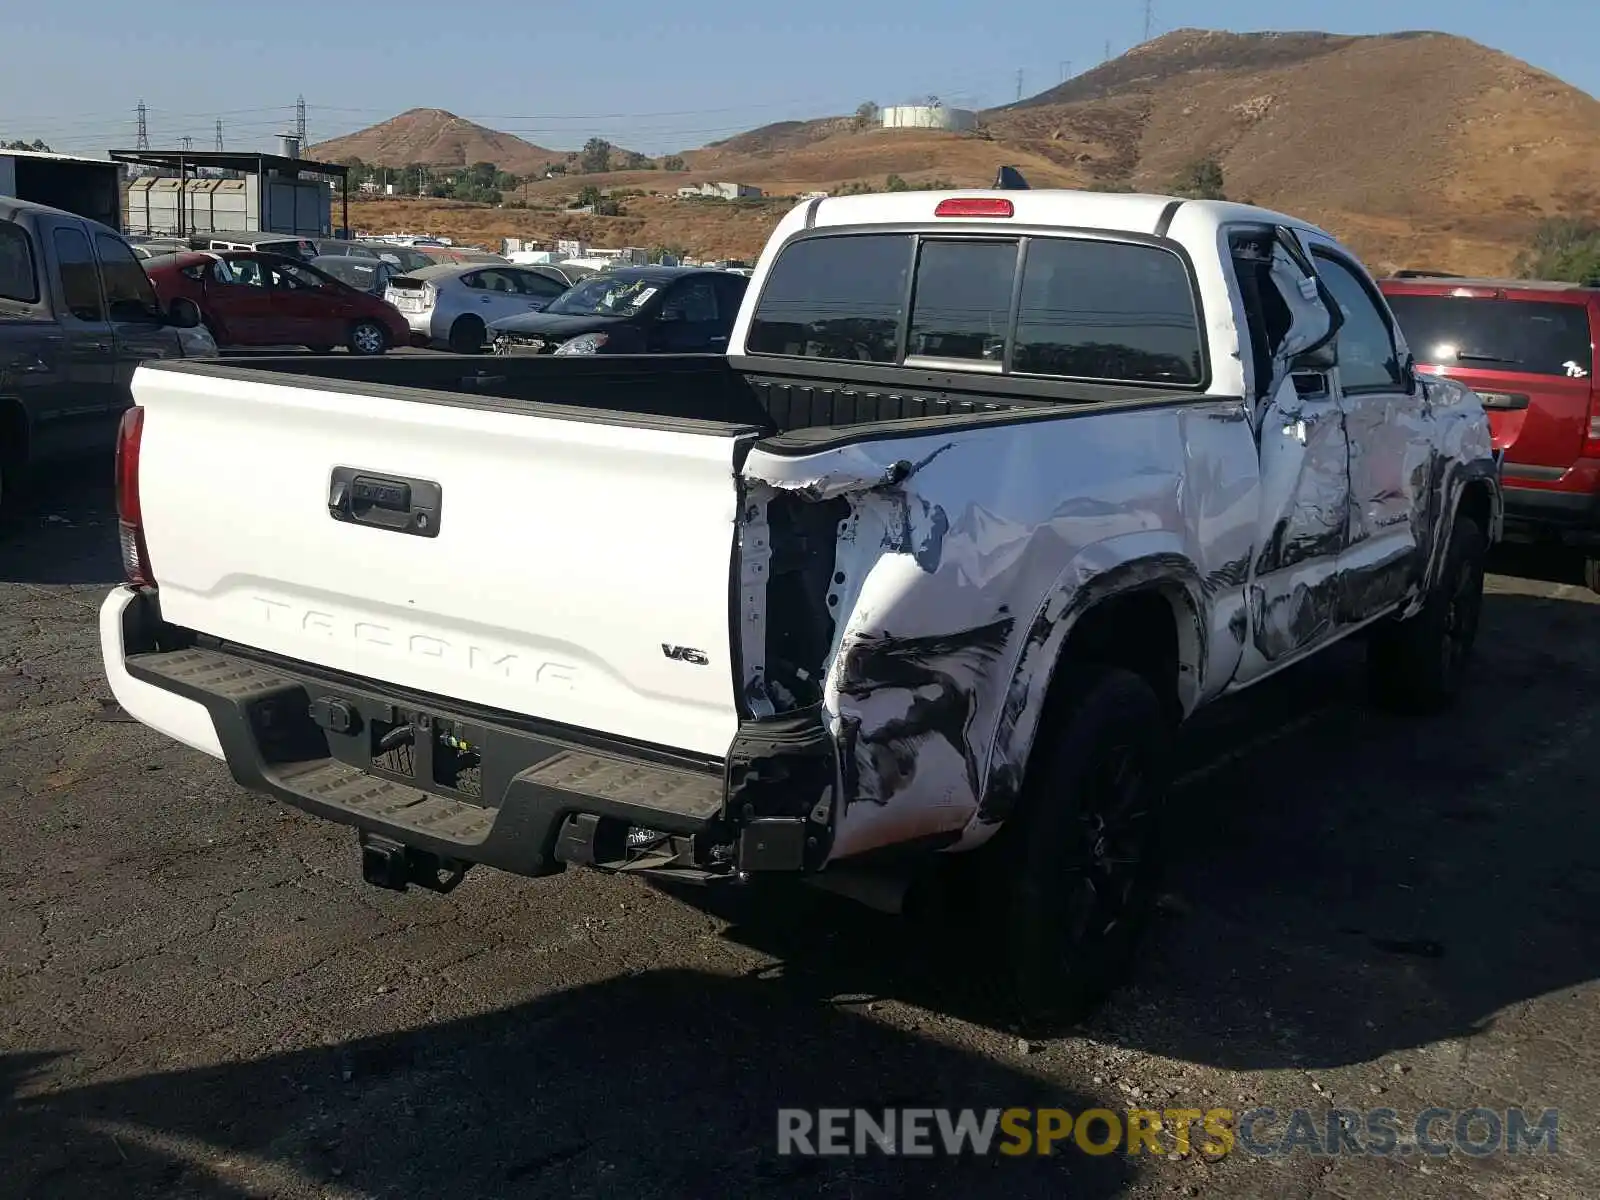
633 310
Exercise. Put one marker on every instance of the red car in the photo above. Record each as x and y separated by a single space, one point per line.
1527 348
252 299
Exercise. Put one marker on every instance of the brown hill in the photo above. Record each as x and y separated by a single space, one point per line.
436 138
1420 149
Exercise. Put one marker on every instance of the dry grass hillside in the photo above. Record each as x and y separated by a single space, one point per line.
1420 149
436 138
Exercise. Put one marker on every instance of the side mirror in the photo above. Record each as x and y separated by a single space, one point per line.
184 314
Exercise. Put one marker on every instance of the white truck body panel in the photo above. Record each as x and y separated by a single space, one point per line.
568 551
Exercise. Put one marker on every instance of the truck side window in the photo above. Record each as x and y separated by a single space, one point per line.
80 279
1367 357
962 307
835 297
18 279
1107 310
129 294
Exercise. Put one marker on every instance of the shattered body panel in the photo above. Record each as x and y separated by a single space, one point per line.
962 563
943 574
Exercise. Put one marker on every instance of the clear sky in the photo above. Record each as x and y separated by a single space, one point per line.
650 75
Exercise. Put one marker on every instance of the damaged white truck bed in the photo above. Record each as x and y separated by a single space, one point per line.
992 490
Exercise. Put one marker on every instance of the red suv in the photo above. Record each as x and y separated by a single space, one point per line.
1527 348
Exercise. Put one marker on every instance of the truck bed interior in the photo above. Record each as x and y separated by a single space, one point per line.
801 405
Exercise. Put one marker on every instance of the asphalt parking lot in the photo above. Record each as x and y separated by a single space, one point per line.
199 997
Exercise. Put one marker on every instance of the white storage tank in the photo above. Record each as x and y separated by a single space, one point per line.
930 116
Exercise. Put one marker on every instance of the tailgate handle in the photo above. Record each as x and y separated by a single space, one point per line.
391 502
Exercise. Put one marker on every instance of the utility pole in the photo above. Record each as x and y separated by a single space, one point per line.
300 122
219 135
1149 18
1019 83
141 140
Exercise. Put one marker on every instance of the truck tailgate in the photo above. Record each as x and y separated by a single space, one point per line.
577 571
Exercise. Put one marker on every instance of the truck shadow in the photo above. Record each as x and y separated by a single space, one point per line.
1343 883
661 1084
62 528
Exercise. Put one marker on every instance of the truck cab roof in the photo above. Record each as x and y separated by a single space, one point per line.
1058 208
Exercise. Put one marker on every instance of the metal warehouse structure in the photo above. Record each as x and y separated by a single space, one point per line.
273 196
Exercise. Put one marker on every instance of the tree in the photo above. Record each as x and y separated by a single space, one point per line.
1201 180
674 162
19 144
588 197
1563 248
596 156
867 115
895 184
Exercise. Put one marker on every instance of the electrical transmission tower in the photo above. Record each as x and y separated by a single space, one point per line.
1149 18
1019 84
219 135
300 121
141 139
186 143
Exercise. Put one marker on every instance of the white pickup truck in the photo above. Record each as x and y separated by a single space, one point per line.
992 490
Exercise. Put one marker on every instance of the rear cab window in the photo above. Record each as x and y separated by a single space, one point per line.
1534 337
19 278
1049 307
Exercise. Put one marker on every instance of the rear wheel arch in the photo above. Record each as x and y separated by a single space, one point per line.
1145 616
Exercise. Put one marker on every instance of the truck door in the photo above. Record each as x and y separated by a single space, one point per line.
1390 452
138 329
87 421
1303 525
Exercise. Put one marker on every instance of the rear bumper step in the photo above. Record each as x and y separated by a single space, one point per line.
527 786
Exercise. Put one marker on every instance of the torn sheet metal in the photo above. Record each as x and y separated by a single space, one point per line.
955 572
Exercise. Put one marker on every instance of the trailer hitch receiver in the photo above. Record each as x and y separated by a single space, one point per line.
393 866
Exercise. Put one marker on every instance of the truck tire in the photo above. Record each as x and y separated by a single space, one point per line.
467 335
368 338
1419 664
1071 878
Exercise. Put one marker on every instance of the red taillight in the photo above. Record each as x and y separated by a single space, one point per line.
1591 441
975 206
130 519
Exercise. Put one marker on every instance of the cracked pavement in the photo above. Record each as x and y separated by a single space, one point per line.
199 997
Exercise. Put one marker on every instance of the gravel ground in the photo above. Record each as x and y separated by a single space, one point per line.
198 996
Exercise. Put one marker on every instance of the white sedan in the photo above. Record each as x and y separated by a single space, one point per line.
452 305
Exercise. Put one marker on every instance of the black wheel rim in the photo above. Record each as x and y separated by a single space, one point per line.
1112 826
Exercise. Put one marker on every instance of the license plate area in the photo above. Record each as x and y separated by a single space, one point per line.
441 754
